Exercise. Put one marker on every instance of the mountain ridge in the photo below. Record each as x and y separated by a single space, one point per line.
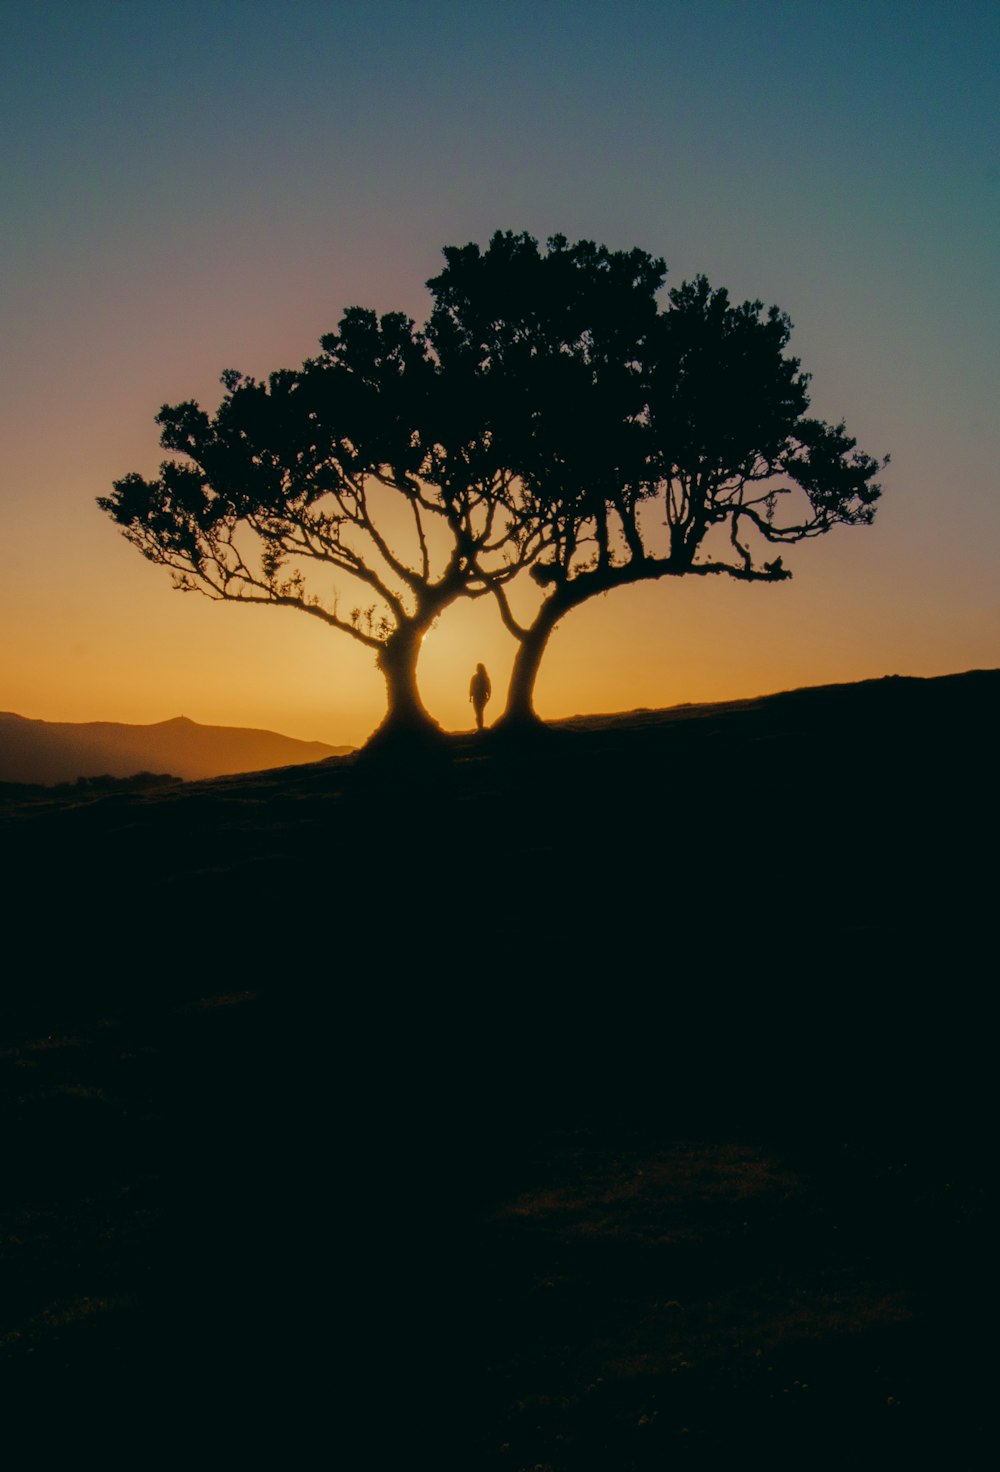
49 752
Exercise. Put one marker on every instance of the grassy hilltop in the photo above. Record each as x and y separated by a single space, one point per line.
615 1098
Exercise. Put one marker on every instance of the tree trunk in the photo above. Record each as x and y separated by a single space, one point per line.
406 714
520 711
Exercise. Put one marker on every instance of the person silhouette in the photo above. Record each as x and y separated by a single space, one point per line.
480 691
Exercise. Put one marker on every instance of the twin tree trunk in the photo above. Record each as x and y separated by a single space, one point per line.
406 714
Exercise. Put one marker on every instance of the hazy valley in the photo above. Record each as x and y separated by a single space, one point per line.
49 752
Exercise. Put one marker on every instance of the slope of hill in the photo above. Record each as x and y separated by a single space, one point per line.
48 752
619 1097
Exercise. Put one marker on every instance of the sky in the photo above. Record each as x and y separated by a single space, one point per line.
192 187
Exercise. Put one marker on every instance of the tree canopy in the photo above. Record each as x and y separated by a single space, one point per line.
353 471
552 418
647 442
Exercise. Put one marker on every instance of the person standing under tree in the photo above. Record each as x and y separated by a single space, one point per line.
480 691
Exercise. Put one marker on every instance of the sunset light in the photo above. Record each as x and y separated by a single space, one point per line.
159 312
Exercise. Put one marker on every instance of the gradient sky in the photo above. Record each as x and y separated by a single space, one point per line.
190 187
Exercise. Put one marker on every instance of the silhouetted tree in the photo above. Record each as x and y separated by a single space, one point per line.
550 417
644 443
358 466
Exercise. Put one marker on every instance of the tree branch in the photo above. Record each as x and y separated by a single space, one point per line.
507 618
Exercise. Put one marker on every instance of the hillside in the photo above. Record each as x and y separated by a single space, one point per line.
620 1097
49 752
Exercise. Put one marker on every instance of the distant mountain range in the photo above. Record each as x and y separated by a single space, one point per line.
48 752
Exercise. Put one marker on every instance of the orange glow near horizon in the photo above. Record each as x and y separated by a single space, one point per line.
139 652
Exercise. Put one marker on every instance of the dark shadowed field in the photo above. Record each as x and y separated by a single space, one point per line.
620 1098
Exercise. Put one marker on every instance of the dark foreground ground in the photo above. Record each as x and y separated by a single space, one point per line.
619 1099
